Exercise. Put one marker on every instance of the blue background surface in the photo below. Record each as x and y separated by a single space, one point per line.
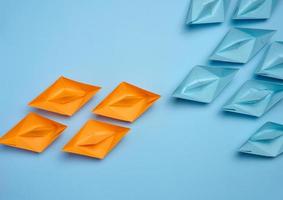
177 150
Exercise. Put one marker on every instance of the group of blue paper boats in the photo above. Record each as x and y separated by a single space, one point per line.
240 45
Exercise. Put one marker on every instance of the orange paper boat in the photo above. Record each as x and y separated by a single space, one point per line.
127 102
34 133
65 96
96 139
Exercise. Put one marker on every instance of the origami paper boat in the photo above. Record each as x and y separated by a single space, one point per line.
272 64
267 141
65 96
204 84
254 9
241 44
96 139
255 98
34 133
207 11
127 102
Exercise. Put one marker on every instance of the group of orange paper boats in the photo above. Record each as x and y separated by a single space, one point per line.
65 96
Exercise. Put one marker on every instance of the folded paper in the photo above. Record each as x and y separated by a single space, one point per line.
241 44
204 84
65 96
127 102
254 9
34 133
272 63
207 11
255 98
266 141
96 139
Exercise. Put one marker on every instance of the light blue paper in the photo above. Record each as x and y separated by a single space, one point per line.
254 9
240 44
255 97
204 84
266 141
272 63
207 11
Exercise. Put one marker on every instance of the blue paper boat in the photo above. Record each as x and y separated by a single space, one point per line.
254 9
272 64
204 84
241 44
266 141
207 11
255 98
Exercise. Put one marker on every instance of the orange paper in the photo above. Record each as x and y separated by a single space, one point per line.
96 139
34 133
127 102
65 96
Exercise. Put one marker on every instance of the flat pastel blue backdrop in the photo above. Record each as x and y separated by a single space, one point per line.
177 150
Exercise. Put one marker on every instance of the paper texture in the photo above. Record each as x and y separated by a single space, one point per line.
241 44
65 96
266 141
255 98
96 139
204 84
254 9
272 63
207 11
127 102
34 133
